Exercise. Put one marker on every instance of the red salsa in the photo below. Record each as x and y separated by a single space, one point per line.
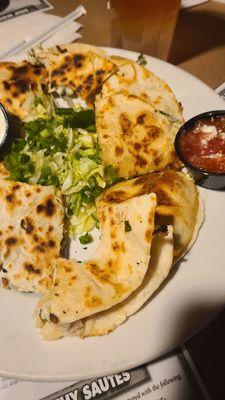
203 145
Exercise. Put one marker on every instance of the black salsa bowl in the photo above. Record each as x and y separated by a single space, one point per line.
209 180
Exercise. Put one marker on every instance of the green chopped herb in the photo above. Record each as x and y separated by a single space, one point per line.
127 226
142 60
85 239
110 174
61 148
77 119
4 270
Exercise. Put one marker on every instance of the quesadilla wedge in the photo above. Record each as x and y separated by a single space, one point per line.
31 230
134 138
80 67
140 81
116 270
160 265
19 84
177 202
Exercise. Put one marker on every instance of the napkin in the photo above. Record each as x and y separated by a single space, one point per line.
30 26
191 3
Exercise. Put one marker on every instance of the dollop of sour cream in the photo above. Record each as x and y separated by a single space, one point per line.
3 126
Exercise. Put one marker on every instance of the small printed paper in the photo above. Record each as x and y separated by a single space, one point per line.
17 8
169 378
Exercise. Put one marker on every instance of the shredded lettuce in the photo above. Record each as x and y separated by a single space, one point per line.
61 149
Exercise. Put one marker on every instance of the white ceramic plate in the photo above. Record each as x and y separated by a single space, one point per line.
194 293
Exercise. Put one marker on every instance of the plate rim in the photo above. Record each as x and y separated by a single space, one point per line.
143 358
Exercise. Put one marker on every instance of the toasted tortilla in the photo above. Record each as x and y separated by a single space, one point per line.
19 84
116 270
160 265
177 202
133 136
140 81
82 68
31 230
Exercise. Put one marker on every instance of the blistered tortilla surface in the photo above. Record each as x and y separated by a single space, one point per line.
31 230
177 201
19 84
80 67
115 271
134 137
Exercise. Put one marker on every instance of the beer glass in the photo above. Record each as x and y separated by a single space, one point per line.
146 26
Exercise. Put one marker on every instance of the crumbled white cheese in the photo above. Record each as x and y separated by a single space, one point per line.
204 142
211 129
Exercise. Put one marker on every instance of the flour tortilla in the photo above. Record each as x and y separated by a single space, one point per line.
140 81
19 84
161 263
116 270
158 270
31 230
77 66
177 202
134 137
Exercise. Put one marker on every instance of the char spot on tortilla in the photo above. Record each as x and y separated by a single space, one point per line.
158 160
31 268
57 72
154 132
10 241
51 243
26 224
77 60
37 71
100 72
48 207
68 269
89 78
148 236
16 187
10 197
35 237
163 199
140 161
93 301
39 248
116 196
79 88
118 150
21 70
6 85
60 50
9 101
15 93
22 86
112 234
125 123
141 118
137 146
53 318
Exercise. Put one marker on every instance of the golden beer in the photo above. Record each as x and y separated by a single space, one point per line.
146 26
